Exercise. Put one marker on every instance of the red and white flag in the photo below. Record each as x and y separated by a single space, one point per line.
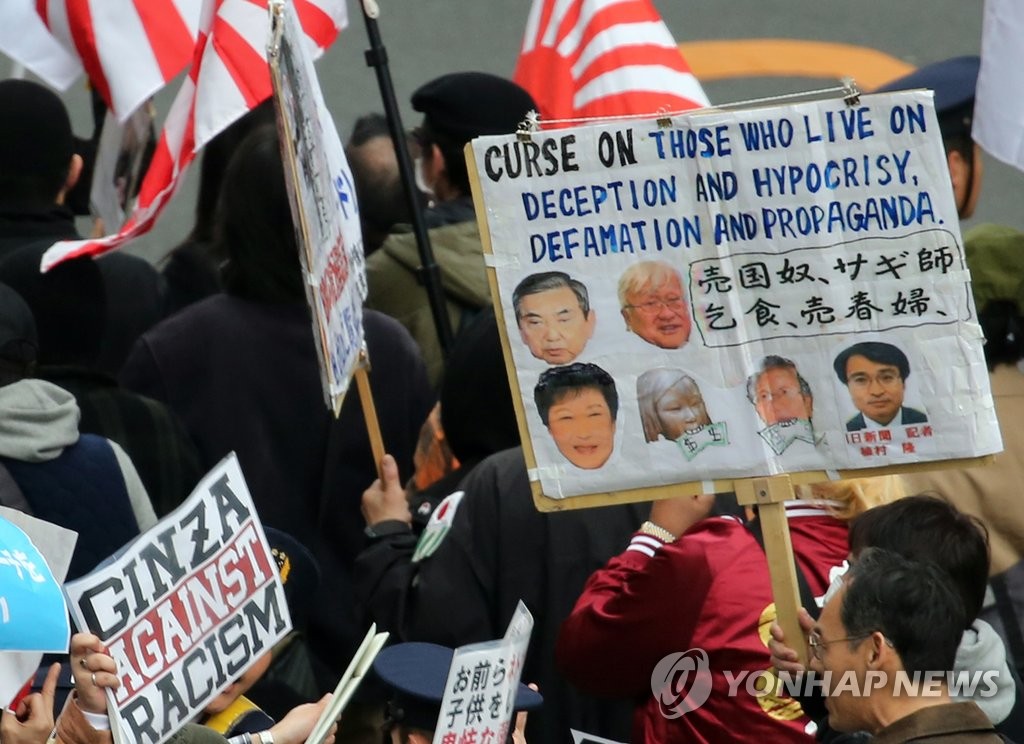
25 39
603 58
229 76
132 48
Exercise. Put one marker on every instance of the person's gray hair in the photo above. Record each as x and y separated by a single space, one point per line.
645 274
770 362
546 281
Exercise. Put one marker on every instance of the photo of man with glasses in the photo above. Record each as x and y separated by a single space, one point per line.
875 373
653 304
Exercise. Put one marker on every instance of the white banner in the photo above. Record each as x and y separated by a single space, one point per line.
186 608
737 294
324 207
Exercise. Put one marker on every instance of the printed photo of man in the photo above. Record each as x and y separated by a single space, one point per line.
875 373
784 402
554 316
578 403
779 392
653 304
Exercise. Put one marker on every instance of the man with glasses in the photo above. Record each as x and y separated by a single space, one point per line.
875 374
885 643
653 304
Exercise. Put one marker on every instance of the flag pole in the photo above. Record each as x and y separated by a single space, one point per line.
429 274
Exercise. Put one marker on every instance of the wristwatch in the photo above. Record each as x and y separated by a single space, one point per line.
650 528
385 529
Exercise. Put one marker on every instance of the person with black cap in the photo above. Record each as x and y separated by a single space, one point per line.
38 169
953 81
456 108
415 675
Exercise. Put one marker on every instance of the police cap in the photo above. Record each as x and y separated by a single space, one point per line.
417 673
953 81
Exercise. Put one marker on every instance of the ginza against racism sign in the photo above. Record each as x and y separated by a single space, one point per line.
186 608
735 294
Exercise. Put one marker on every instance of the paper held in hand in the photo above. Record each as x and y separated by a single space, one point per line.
349 682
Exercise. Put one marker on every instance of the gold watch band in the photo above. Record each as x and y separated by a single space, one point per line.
650 528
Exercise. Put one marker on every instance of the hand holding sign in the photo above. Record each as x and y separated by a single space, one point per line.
94 670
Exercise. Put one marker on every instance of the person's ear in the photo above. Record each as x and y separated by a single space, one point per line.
74 173
879 654
625 317
591 322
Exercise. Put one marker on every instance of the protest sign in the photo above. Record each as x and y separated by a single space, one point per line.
123 154
480 691
323 202
33 614
734 294
185 608
350 680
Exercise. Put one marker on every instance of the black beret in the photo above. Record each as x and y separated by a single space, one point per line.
417 674
35 131
953 81
464 105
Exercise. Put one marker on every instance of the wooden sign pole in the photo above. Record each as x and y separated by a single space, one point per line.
369 410
769 495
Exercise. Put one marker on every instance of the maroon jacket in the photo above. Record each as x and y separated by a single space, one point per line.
708 590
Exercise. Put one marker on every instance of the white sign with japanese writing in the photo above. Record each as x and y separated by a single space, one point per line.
480 693
736 294
323 203
186 608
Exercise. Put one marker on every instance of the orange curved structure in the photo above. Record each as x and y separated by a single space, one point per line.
740 58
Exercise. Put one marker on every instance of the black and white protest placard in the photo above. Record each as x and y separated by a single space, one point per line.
186 608
732 294
323 201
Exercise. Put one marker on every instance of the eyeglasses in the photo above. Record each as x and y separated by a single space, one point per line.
653 307
819 644
885 378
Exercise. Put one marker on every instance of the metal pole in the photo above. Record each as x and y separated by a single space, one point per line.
429 274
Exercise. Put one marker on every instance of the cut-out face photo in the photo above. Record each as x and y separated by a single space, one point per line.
554 316
578 403
670 404
653 304
875 374
779 392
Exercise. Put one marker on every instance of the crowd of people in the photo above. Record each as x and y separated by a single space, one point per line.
122 383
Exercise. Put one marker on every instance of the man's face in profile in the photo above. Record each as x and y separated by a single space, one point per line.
582 426
876 389
779 397
659 315
553 326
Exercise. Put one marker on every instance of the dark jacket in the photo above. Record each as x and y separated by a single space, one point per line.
910 416
134 290
154 438
953 723
501 549
243 377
